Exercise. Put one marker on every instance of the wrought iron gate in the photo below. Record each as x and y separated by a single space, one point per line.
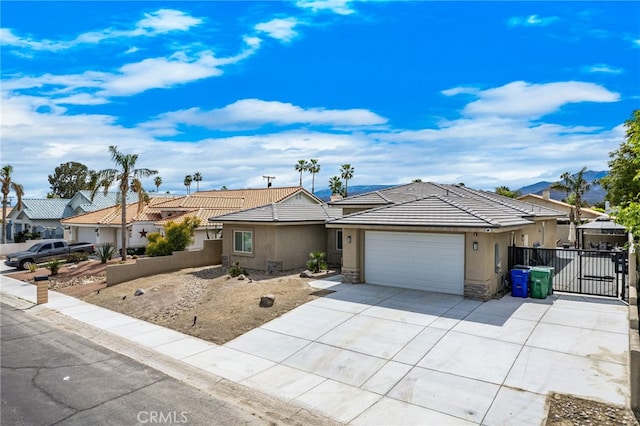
593 272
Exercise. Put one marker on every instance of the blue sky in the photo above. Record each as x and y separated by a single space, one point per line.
485 93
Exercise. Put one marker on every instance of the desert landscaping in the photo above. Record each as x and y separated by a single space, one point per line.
202 302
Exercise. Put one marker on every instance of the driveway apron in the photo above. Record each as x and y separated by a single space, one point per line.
368 354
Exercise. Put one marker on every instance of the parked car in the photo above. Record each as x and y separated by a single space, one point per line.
46 251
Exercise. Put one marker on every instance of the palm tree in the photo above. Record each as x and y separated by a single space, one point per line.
197 178
313 168
347 173
143 197
7 186
335 185
187 182
157 182
302 166
123 174
574 186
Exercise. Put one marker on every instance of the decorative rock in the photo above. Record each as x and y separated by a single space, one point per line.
267 301
306 274
139 292
241 277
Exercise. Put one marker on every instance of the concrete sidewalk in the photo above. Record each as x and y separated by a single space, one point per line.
384 355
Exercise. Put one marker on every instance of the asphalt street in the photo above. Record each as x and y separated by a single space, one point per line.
51 376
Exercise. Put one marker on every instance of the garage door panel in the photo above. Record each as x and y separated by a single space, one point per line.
433 262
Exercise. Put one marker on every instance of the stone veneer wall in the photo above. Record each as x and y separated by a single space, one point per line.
351 276
477 291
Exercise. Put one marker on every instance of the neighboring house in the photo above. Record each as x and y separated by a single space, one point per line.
586 214
279 237
104 225
443 238
44 215
564 230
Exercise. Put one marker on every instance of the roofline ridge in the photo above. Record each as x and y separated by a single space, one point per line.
505 203
467 210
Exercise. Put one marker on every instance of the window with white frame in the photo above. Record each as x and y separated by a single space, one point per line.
338 239
243 241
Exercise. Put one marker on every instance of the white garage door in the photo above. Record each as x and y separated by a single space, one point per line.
433 262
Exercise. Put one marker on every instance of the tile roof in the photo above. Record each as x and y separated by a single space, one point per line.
560 204
438 211
203 201
279 213
107 216
203 214
259 196
441 205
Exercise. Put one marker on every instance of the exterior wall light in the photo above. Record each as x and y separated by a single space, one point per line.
349 239
475 246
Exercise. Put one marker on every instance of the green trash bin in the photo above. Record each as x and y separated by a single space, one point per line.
541 282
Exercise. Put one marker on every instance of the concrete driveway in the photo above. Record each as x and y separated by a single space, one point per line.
383 355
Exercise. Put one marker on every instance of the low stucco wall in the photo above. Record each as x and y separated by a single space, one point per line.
211 254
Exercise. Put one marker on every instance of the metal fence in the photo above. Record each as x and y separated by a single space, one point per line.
593 272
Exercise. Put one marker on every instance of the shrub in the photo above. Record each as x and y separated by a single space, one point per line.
105 252
317 262
177 237
54 266
32 267
236 270
158 245
77 257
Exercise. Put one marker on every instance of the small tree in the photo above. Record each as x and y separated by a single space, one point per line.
157 181
317 262
506 192
177 236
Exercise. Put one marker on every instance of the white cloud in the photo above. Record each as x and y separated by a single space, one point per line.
280 29
166 20
255 113
130 79
522 99
531 21
155 23
341 7
602 68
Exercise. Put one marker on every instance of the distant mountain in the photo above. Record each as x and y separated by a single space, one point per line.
325 194
595 195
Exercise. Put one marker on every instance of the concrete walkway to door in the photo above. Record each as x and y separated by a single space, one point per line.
371 355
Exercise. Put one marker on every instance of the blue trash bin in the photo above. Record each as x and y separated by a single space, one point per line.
519 282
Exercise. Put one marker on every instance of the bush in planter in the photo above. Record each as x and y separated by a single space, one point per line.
236 270
317 262
77 257
54 266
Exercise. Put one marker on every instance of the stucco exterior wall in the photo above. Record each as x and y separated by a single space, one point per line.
484 268
281 246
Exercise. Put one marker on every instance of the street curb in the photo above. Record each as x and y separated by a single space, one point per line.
268 408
